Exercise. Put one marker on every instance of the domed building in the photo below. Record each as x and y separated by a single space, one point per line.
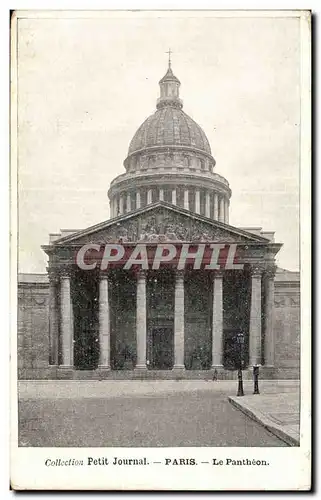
169 159
166 287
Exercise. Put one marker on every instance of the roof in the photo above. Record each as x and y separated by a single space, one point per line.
169 126
33 278
169 77
286 275
95 230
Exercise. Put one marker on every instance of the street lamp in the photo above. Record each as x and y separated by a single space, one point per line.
240 342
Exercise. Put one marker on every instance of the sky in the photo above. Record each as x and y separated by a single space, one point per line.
85 85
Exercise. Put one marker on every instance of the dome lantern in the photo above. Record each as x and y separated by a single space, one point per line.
169 88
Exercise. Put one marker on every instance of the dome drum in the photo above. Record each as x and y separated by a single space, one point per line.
211 203
152 179
156 158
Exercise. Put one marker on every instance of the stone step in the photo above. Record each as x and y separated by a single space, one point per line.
52 373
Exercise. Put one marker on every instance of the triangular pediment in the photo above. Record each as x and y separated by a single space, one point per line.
160 222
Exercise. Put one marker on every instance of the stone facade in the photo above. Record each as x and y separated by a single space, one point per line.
287 323
33 326
33 330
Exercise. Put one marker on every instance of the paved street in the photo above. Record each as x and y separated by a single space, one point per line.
136 413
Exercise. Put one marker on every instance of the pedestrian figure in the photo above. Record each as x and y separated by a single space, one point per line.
215 374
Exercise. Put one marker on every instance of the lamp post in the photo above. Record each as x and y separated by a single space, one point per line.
256 371
240 342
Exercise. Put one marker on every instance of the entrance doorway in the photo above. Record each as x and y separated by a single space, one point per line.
84 288
162 348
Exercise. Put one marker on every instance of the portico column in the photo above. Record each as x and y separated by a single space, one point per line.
115 206
121 205
186 199
215 214
174 196
255 318
269 341
179 322
128 203
53 319
197 202
141 320
207 204
221 210
226 215
217 320
138 202
66 321
149 196
104 323
161 194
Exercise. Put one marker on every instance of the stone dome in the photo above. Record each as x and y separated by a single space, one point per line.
169 126
169 160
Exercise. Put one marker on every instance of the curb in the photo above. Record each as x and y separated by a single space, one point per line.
266 422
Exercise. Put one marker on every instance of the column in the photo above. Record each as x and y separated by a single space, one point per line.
179 322
186 199
128 203
66 322
269 341
115 206
226 214
215 214
217 321
207 204
161 194
53 319
197 201
141 320
121 205
149 196
104 324
138 202
174 196
221 210
255 318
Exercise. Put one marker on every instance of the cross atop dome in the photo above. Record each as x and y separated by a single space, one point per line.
169 52
169 77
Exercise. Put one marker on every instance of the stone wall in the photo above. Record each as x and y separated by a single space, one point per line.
33 326
287 324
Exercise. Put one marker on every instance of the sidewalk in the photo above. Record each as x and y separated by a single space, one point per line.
279 412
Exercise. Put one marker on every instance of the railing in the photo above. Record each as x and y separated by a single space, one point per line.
169 170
